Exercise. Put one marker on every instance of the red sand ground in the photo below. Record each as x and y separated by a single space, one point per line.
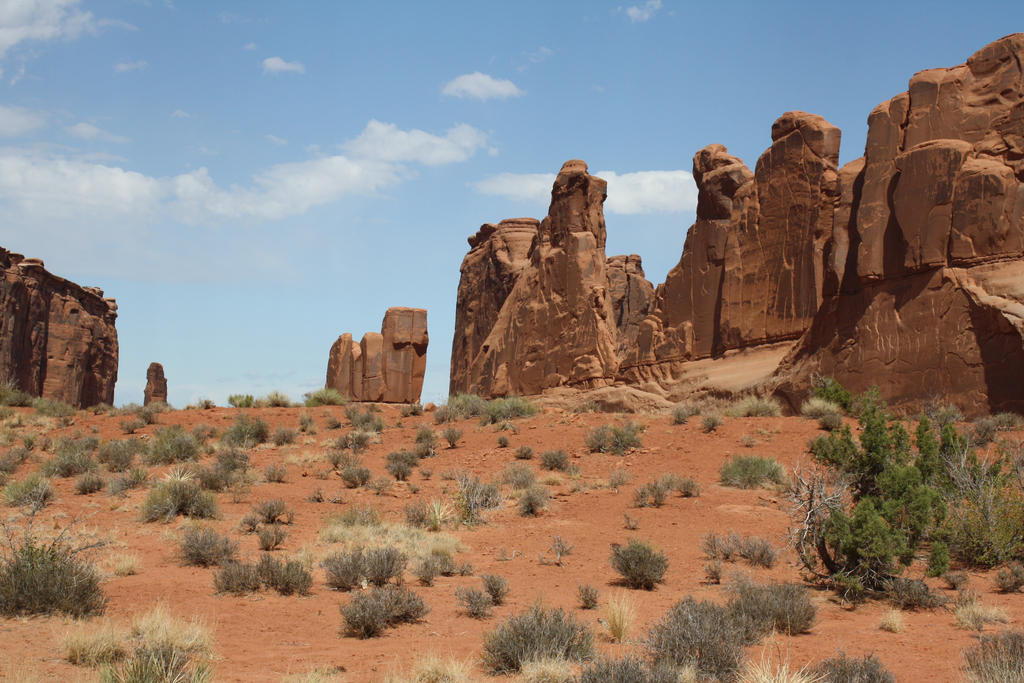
267 636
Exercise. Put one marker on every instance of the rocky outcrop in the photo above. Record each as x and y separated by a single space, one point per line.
383 367
900 269
57 339
555 326
156 385
931 222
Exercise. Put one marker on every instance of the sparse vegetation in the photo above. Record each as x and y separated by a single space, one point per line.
246 432
751 472
533 500
710 422
554 460
755 406
324 397
371 611
997 658
640 564
172 445
451 434
538 633
588 596
241 400
201 546
843 669
177 496
617 439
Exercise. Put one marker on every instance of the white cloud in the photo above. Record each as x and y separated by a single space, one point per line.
481 87
628 193
276 140
276 65
27 20
386 142
643 12
122 67
50 186
87 131
181 114
249 46
15 121
540 54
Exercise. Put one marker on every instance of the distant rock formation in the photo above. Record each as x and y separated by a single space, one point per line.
156 385
384 367
57 339
903 269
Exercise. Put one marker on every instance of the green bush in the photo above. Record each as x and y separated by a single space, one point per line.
325 397
538 633
172 444
832 391
147 664
554 460
639 564
473 497
34 491
502 409
371 611
451 434
617 439
751 472
755 406
274 511
52 408
698 634
364 420
843 669
711 422
241 400
11 395
355 476
201 546
134 478
411 409
173 497
496 587
73 457
400 464
246 432
47 578
997 658
683 412
119 455
275 399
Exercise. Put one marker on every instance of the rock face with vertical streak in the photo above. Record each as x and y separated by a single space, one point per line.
556 325
383 367
57 339
156 385
900 269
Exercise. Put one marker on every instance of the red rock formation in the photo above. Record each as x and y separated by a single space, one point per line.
388 366
632 298
156 385
57 339
556 325
932 225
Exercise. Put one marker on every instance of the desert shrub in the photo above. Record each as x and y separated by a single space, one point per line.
344 569
283 436
119 455
517 476
651 494
909 594
241 400
702 635
170 445
970 614
400 464
710 422
201 546
720 547
503 442
629 669
762 608
686 487
451 434
90 482
426 435
324 397
554 460
11 395
274 511
371 611
380 565
640 564
411 409
72 457
306 424
417 514
843 669
758 552
894 505
683 412
39 577
475 602
538 633
533 501
132 425
173 497
828 389
355 476
460 407
955 580
524 452
287 577
332 422
52 408
366 420
275 399
751 471
275 473
33 491
473 497
588 596
246 432
134 478
1010 578
502 409
996 659
12 460
755 406
617 439
496 587
237 578
619 615
271 536
816 408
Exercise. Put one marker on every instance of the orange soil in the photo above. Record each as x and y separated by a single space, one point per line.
266 636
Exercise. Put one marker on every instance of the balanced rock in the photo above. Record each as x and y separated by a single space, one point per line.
57 339
383 367
156 385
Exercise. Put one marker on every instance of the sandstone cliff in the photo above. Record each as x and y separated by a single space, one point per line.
57 339
388 366
156 385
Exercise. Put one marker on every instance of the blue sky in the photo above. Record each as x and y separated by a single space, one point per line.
251 179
